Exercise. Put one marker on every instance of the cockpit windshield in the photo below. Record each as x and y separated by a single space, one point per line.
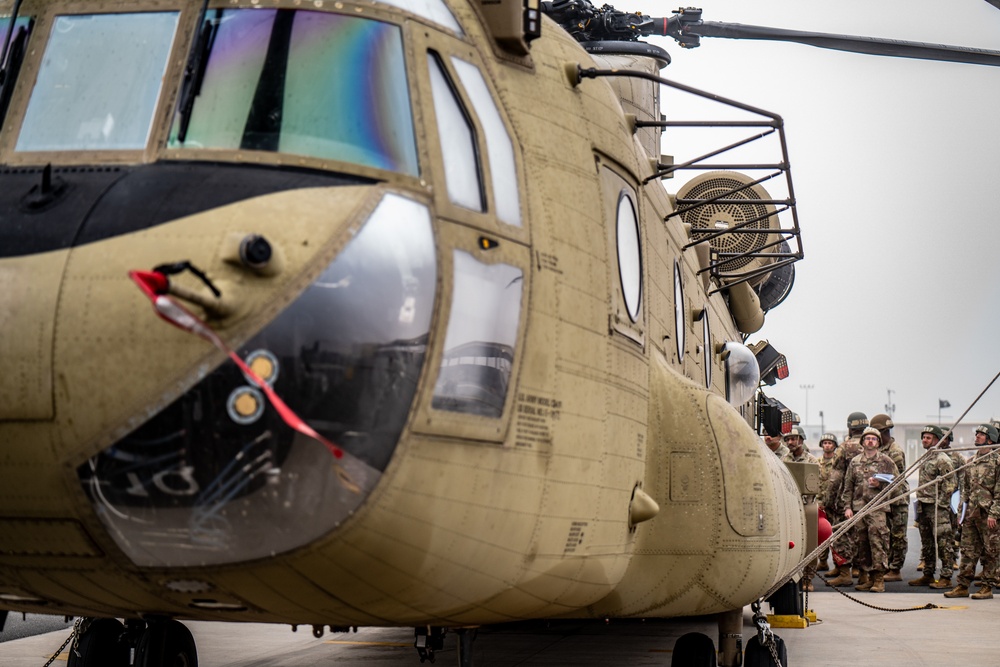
309 83
99 82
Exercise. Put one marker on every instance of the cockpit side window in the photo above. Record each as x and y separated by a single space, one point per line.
482 331
500 148
99 82
458 141
328 86
11 59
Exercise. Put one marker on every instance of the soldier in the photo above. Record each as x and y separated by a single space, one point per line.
845 546
934 511
828 443
980 536
775 444
860 486
795 441
900 511
959 460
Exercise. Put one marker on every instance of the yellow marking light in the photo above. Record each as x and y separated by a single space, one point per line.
246 404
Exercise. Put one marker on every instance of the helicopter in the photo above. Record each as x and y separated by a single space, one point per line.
379 313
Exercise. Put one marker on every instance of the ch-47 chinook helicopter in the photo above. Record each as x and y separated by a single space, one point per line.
445 351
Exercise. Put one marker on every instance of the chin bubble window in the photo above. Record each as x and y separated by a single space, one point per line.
218 476
479 345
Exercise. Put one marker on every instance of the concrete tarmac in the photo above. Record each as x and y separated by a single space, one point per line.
961 632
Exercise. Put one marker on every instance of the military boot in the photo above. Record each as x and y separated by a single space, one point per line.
843 579
943 582
823 565
920 566
925 580
865 581
878 583
893 575
984 593
834 573
960 591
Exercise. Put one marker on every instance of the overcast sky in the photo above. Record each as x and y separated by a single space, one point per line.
896 169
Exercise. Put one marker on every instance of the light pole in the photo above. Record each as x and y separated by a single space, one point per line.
890 407
807 387
822 424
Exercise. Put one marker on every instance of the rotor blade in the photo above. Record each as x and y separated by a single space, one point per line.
870 45
995 3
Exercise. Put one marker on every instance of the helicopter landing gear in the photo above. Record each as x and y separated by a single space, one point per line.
100 643
427 641
166 643
760 656
765 649
694 649
731 638
466 636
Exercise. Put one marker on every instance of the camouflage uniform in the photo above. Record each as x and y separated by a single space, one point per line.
899 512
959 461
846 545
825 469
872 533
782 452
805 457
934 514
980 490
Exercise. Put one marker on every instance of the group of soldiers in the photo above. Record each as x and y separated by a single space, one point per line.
853 473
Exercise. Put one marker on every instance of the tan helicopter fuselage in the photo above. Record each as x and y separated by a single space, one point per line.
475 519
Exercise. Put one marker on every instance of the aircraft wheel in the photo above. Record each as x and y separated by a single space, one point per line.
100 645
166 644
694 650
759 656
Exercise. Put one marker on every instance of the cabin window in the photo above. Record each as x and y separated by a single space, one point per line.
320 85
434 11
503 169
99 82
706 348
458 141
629 258
680 326
482 331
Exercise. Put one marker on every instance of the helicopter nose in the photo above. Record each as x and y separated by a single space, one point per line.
221 473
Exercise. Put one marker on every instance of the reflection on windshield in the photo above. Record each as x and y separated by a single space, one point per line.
479 345
99 82
309 83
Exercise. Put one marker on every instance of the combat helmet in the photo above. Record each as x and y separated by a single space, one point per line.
990 430
828 436
857 421
881 422
933 430
799 431
869 430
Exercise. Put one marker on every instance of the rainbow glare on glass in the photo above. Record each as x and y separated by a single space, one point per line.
345 96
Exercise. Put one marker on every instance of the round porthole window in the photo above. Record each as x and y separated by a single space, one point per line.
629 259
679 325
